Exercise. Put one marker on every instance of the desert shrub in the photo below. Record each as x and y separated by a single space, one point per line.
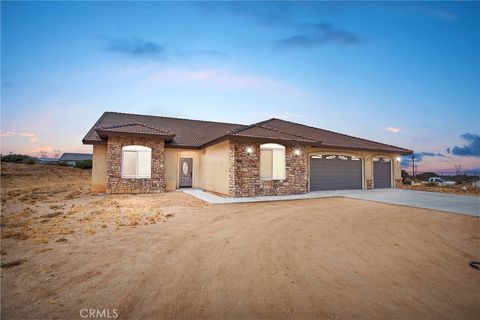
19 158
407 181
84 164
62 164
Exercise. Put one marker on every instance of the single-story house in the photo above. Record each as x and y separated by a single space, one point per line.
140 154
72 158
47 160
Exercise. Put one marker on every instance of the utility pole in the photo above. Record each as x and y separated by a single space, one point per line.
413 166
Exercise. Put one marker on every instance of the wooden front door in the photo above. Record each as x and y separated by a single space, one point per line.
186 172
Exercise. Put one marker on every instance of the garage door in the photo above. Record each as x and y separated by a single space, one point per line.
382 173
335 172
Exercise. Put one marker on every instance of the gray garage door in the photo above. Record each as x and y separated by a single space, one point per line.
335 172
382 173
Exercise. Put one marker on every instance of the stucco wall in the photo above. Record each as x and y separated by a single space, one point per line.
245 178
367 164
215 167
171 167
99 168
117 184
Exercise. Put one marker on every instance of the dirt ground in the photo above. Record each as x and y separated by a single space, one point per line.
163 256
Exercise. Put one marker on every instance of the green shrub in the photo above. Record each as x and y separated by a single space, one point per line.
85 164
19 158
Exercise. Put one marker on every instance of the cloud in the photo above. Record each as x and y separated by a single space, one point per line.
392 129
318 34
214 77
135 47
471 149
407 160
32 137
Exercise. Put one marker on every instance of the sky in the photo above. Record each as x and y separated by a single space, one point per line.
402 73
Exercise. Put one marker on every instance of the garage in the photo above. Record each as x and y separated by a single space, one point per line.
382 173
335 172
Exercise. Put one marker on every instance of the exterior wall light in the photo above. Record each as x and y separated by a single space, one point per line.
296 152
398 159
249 150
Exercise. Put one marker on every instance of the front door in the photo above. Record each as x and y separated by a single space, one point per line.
185 172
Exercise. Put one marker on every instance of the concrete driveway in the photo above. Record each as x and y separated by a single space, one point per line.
469 205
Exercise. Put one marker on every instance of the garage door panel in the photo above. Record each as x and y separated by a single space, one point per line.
335 174
382 174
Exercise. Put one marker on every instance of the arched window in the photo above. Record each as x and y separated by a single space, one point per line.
136 162
272 161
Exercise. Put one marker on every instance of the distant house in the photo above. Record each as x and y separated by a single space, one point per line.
72 158
47 160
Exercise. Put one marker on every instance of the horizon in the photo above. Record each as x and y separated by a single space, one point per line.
403 74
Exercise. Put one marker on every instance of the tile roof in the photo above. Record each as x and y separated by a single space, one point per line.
330 138
188 133
133 128
197 134
263 132
75 156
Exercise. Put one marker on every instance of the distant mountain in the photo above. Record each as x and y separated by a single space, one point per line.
472 171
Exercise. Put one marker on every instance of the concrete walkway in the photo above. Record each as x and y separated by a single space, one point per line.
469 205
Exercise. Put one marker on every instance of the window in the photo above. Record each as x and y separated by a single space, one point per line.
136 162
272 161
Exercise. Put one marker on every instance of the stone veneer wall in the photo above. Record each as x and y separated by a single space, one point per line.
244 172
117 184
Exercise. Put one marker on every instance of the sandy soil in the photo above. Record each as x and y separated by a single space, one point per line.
172 256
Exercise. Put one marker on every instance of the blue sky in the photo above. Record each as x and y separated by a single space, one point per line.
406 74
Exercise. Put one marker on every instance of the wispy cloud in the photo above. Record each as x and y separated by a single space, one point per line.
31 136
134 46
319 34
392 129
471 149
218 78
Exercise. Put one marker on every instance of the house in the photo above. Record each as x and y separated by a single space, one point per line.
47 160
72 158
140 154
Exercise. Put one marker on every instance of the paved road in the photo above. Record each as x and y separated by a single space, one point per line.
469 205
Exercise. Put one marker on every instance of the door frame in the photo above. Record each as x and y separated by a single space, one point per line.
178 170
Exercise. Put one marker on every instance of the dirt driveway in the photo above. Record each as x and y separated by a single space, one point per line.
322 258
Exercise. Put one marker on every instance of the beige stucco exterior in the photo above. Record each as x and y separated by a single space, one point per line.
99 168
215 167
211 166
172 167
367 163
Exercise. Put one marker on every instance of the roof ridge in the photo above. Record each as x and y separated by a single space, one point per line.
174 118
292 134
135 124
343 134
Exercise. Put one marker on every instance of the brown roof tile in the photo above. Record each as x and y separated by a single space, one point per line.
133 128
188 133
198 134
330 138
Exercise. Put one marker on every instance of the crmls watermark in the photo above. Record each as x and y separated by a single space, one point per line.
99 313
